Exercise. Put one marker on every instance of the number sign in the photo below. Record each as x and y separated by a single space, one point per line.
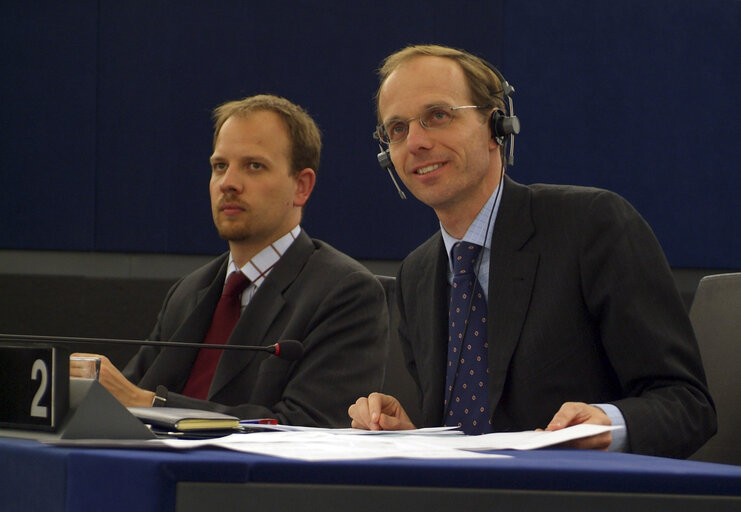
34 379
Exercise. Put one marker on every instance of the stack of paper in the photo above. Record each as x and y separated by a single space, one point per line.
351 444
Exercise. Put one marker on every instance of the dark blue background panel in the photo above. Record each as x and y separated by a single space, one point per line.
47 125
106 128
641 98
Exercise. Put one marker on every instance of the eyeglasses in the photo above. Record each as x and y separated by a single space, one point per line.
432 118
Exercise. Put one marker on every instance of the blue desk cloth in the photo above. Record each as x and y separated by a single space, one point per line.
34 476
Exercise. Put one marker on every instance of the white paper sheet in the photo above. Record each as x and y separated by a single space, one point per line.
313 444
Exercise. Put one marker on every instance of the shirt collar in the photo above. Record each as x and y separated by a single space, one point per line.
258 268
481 229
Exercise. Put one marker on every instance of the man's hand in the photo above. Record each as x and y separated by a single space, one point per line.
116 384
379 412
575 413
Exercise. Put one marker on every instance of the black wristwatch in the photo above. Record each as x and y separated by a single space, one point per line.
160 397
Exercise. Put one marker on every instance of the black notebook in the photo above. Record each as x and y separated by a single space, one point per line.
184 420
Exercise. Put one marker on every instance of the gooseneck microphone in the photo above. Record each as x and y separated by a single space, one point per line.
290 350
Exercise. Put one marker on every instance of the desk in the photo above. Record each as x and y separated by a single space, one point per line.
34 476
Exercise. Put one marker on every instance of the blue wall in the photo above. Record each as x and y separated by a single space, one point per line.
105 127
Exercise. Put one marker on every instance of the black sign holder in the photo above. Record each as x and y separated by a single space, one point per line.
73 409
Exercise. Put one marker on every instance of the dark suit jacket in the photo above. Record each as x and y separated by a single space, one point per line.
582 307
315 294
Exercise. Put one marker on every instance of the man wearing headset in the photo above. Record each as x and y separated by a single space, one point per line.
579 319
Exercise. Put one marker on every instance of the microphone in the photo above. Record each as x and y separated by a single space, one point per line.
384 160
289 350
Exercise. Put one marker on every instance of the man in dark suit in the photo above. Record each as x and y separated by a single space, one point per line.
266 152
582 322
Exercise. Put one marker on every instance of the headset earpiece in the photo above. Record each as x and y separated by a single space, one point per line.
502 126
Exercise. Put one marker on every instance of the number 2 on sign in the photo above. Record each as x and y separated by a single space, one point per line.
39 368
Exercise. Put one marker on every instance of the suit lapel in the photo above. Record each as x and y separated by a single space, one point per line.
260 313
432 326
511 280
172 366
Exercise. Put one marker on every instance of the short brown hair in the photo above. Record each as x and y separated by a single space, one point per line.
304 135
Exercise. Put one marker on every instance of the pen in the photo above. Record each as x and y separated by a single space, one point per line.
259 421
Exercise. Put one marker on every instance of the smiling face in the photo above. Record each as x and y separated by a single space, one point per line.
454 169
255 198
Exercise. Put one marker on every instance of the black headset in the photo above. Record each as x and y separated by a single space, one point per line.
504 126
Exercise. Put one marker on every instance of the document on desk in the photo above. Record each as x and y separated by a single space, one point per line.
313 444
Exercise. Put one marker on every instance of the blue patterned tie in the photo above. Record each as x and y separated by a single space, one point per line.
467 402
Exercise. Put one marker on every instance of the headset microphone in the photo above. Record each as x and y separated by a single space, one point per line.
384 160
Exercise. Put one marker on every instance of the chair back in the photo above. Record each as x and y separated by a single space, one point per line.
716 317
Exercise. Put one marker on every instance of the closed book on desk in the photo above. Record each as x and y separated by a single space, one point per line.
184 419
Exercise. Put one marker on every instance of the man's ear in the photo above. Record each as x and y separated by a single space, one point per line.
305 180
